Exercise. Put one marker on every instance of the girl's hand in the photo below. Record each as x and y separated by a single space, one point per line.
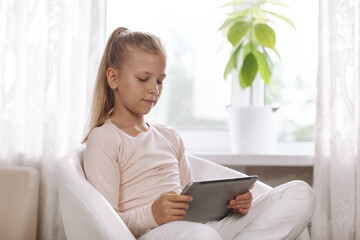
241 203
170 207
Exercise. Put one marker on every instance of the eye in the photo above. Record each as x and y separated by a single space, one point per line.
160 81
143 79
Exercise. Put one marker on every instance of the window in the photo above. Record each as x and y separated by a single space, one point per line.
195 94
293 85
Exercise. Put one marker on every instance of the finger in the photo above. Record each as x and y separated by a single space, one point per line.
240 210
249 199
179 198
246 206
234 202
244 196
177 212
178 205
243 211
242 202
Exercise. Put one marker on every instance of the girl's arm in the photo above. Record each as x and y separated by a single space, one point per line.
185 172
102 171
101 165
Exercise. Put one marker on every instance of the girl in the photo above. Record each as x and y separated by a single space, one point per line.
141 168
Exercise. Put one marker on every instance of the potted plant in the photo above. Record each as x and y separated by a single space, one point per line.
248 30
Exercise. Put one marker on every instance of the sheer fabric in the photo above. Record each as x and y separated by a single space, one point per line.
49 55
336 170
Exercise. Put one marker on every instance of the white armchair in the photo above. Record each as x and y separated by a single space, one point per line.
86 213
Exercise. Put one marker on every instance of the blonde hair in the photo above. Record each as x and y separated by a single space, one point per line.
118 47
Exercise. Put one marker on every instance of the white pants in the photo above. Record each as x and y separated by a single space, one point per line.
280 213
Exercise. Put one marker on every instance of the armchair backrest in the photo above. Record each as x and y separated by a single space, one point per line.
85 212
203 170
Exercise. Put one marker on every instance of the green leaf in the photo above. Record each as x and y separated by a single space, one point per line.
287 20
249 47
265 35
227 23
242 13
232 63
277 53
237 32
263 67
268 60
248 71
231 20
259 15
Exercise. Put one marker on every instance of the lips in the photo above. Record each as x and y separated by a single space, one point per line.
149 101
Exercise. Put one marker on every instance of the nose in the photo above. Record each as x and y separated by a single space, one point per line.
154 88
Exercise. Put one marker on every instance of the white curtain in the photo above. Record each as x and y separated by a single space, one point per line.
49 55
336 170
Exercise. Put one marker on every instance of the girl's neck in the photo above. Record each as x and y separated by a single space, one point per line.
132 125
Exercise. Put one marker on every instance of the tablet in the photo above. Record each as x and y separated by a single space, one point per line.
211 197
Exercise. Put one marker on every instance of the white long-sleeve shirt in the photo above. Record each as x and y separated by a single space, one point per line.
132 172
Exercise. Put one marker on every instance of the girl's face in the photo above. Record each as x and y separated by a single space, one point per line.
138 85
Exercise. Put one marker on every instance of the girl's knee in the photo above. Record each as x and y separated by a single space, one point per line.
305 190
305 195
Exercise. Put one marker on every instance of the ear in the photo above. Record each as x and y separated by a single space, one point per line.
112 78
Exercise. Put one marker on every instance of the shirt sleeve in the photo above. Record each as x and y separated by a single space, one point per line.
185 172
101 165
102 171
139 220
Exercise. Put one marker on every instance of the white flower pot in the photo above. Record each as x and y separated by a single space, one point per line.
252 130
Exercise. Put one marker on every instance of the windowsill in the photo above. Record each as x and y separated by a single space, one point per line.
284 160
215 146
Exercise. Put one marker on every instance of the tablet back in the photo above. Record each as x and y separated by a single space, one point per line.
211 197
